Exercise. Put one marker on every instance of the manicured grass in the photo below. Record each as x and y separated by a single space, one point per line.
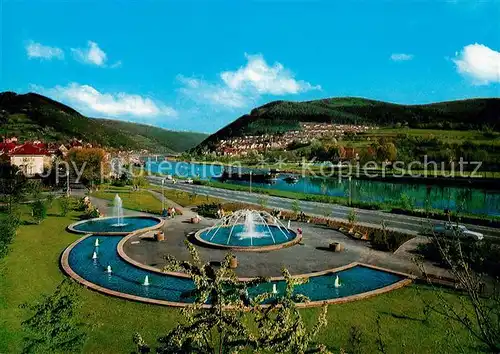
187 199
140 200
32 269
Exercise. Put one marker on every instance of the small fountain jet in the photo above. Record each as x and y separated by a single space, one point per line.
108 269
118 211
94 255
275 289
337 282
146 281
96 244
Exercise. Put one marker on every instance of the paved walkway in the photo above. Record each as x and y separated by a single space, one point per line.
311 255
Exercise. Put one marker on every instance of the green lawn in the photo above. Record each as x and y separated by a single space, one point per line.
134 200
32 268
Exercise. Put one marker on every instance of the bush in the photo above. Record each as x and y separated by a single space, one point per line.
39 211
386 240
208 210
65 205
8 227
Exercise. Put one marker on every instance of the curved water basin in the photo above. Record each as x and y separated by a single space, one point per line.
128 279
114 225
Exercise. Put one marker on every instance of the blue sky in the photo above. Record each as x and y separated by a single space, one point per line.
198 65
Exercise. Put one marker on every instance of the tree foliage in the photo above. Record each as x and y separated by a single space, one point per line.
54 325
479 310
90 164
226 325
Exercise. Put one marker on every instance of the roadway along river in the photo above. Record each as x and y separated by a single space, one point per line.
404 223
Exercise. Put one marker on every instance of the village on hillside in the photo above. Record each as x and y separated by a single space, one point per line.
307 132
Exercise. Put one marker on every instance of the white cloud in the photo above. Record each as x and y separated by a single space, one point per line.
244 86
401 57
479 63
91 55
38 50
91 101
204 92
265 79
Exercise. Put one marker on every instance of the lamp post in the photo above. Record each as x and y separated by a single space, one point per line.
162 195
251 181
67 183
350 191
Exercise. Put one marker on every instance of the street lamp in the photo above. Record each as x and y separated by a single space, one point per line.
350 192
67 183
162 195
251 181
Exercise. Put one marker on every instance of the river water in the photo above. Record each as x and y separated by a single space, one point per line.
467 200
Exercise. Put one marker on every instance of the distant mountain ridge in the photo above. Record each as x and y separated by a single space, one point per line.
280 116
33 116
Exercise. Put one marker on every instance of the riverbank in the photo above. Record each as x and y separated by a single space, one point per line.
490 221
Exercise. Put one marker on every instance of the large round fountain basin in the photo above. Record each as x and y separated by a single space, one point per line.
127 280
114 225
236 236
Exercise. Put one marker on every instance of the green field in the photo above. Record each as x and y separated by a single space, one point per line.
140 200
32 269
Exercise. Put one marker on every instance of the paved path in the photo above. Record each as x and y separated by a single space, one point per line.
403 223
309 256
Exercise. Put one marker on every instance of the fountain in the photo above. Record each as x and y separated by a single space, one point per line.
96 244
337 282
275 289
108 269
248 229
146 281
94 255
118 211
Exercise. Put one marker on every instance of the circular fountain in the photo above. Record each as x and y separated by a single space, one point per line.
116 224
248 230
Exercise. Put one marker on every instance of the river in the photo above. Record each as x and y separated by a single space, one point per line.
467 200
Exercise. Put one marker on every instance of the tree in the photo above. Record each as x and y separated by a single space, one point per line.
39 210
139 182
479 310
223 327
54 325
8 227
263 201
295 205
215 329
89 164
281 327
13 185
352 217
65 205
385 151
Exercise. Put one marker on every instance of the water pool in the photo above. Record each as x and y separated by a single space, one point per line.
265 235
128 224
128 279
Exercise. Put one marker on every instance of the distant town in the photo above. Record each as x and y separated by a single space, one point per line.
36 156
308 132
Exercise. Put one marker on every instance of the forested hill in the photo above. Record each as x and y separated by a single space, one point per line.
280 116
33 116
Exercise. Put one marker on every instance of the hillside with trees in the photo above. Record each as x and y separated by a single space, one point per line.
32 116
281 116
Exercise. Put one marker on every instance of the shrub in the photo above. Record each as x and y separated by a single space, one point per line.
65 205
386 240
8 227
208 210
39 211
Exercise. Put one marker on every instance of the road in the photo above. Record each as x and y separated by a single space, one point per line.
403 223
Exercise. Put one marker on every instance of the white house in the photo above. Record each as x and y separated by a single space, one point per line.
30 159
